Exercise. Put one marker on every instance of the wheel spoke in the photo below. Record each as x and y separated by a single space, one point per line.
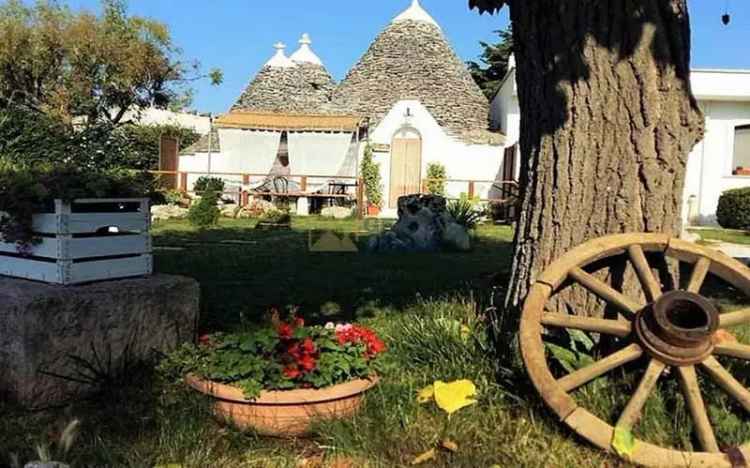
632 412
608 327
589 373
606 292
737 350
726 381
700 270
732 319
692 391
651 287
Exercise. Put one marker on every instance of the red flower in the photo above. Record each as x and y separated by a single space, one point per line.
204 340
299 322
356 334
285 331
295 351
308 346
292 372
307 362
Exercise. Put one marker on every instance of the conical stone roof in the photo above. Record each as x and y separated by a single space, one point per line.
303 88
412 59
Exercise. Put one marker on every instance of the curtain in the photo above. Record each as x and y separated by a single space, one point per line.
322 154
247 151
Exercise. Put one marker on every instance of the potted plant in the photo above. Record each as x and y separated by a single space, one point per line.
68 225
279 379
372 182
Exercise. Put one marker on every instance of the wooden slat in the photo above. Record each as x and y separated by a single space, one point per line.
726 381
48 248
111 269
601 367
700 270
737 350
651 287
86 223
609 327
606 292
107 246
694 399
632 411
29 269
732 319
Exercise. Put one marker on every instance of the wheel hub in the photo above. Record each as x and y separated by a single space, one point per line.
677 328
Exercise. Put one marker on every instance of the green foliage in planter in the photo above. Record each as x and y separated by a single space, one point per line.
371 176
465 211
281 357
29 189
204 213
733 211
209 184
437 176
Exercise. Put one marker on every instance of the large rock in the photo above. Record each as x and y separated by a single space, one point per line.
47 331
337 212
424 225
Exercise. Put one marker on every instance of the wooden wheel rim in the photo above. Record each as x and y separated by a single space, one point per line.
586 424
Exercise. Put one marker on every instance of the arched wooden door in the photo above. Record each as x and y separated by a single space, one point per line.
406 165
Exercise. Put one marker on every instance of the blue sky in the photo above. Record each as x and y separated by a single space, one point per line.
237 35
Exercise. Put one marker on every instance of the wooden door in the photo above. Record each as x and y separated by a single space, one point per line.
406 168
169 154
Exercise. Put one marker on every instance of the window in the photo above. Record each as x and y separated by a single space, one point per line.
741 161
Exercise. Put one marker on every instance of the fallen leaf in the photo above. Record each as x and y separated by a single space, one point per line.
449 445
451 397
623 442
426 394
425 457
723 336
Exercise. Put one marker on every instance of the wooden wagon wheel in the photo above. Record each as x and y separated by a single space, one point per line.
675 329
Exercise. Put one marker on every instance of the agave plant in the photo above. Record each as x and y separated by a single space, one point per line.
465 212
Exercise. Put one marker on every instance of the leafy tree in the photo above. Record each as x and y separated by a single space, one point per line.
77 65
493 65
608 119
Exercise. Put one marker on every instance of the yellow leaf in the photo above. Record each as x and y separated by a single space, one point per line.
451 397
425 457
623 442
426 394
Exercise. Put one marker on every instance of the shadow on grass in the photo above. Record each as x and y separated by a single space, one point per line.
243 271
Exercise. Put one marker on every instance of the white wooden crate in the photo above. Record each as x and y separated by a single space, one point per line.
74 250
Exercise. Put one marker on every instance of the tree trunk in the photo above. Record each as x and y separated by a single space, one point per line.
607 122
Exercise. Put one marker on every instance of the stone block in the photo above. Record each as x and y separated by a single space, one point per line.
46 331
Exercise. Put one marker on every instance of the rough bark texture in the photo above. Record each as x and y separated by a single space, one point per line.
607 122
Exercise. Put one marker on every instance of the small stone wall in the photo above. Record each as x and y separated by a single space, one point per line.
42 326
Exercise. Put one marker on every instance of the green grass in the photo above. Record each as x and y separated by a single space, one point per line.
419 304
724 235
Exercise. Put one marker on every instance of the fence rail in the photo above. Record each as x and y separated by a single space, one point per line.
508 188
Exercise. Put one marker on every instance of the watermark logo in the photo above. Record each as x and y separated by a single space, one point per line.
343 242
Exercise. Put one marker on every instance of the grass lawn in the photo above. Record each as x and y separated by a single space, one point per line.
413 301
724 235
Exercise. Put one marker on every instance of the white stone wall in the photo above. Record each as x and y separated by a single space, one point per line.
461 160
153 116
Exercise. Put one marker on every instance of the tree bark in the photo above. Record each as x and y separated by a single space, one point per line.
607 122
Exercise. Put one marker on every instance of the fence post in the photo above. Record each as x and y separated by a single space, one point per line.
245 197
360 198
183 181
471 189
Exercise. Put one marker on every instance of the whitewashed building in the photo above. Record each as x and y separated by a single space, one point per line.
715 164
410 96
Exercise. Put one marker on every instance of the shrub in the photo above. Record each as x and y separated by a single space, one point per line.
465 211
275 216
733 211
209 184
371 178
205 213
436 179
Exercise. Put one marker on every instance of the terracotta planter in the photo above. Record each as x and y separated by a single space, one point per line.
742 171
373 210
287 413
